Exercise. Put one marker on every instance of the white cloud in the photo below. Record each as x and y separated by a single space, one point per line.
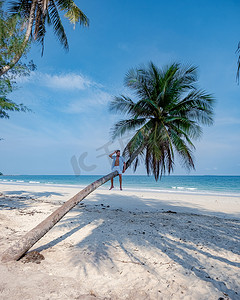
64 81
70 81
74 92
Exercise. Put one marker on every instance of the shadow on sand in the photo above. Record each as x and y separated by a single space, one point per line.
156 225
31 194
22 199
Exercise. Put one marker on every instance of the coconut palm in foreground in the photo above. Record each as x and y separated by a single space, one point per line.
39 13
166 115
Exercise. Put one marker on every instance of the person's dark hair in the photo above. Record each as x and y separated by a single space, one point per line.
117 150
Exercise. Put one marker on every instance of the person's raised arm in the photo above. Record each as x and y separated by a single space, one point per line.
110 155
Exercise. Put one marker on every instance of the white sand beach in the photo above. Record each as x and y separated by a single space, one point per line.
122 245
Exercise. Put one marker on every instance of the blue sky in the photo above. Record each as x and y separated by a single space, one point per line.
68 130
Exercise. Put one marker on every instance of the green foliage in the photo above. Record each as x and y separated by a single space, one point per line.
11 38
165 116
47 12
7 85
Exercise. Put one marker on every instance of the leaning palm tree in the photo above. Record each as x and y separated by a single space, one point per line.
39 13
166 115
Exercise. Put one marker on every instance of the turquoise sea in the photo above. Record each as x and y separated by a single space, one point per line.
220 185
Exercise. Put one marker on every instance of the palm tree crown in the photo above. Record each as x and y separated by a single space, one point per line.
44 12
165 117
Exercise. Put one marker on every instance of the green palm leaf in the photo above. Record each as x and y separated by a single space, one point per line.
165 117
126 125
55 20
47 12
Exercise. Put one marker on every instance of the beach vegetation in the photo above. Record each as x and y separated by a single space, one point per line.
11 38
36 16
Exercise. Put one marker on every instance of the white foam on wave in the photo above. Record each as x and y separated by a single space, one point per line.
184 188
34 181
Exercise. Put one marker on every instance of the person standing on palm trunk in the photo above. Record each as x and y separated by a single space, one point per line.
119 165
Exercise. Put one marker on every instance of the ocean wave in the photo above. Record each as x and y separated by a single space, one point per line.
184 188
216 185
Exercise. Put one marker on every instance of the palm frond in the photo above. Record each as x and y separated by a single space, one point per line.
121 105
183 150
139 140
135 148
72 12
197 105
47 11
126 125
57 24
40 27
137 80
185 126
22 7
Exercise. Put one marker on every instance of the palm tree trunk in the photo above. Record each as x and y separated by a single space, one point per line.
17 250
16 58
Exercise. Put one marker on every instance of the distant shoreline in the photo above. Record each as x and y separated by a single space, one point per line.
126 188
100 175
186 184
